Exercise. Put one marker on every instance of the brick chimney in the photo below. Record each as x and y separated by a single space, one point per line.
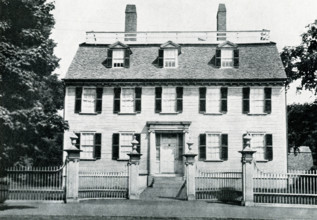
130 22
221 21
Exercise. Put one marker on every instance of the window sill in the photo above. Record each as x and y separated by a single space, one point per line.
213 160
83 113
169 113
127 113
257 114
213 113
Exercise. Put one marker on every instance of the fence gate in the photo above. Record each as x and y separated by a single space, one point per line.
219 186
33 183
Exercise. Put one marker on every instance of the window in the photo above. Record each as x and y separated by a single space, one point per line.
118 58
227 57
121 145
168 99
262 144
90 144
170 58
213 100
213 146
88 100
168 55
127 100
256 100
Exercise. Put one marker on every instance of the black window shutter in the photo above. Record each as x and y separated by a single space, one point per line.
126 58
77 140
224 99
158 99
218 58
79 91
115 146
202 147
161 58
224 147
179 98
138 138
268 100
99 100
138 95
236 58
246 100
109 58
269 147
202 99
116 100
97 146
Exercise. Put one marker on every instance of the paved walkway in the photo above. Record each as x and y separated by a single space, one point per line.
128 209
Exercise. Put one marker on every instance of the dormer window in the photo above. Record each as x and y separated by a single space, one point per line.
227 55
118 56
168 55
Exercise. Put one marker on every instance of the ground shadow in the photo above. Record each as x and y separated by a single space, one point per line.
4 207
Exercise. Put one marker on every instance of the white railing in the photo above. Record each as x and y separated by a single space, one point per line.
219 185
294 187
33 183
181 37
102 184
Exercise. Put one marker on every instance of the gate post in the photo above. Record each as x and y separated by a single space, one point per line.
190 172
72 170
133 165
247 172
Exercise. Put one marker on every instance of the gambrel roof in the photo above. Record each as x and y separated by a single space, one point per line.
257 61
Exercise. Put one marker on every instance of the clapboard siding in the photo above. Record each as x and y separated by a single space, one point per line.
234 123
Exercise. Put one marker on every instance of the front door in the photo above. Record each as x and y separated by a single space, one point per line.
171 153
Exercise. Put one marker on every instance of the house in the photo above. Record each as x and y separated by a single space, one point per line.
165 88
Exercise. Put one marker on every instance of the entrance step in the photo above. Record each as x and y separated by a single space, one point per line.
165 188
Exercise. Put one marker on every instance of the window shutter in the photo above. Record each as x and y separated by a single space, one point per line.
158 99
116 100
268 100
224 147
224 99
236 58
109 58
246 100
115 146
202 99
126 58
179 98
202 147
138 94
79 91
99 100
138 138
218 58
97 146
77 141
269 147
161 58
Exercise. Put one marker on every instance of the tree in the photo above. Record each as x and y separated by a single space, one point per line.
302 127
300 62
30 94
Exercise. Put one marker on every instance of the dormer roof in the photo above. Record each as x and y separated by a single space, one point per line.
227 44
120 45
171 45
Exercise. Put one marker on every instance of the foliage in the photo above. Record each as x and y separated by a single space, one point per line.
300 62
302 126
30 94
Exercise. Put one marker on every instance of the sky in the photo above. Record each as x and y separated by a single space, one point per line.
286 19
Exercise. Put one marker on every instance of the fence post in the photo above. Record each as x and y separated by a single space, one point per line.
133 165
247 172
190 172
72 170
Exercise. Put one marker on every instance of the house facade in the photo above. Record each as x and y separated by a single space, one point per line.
165 88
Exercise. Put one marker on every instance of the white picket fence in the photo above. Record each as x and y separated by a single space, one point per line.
219 185
293 187
103 184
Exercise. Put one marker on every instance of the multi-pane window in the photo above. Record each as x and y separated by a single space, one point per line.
213 100
213 147
213 104
257 143
170 58
88 100
122 146
127 100
169 99
125 145
118 58
226 57
87 146
257 100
